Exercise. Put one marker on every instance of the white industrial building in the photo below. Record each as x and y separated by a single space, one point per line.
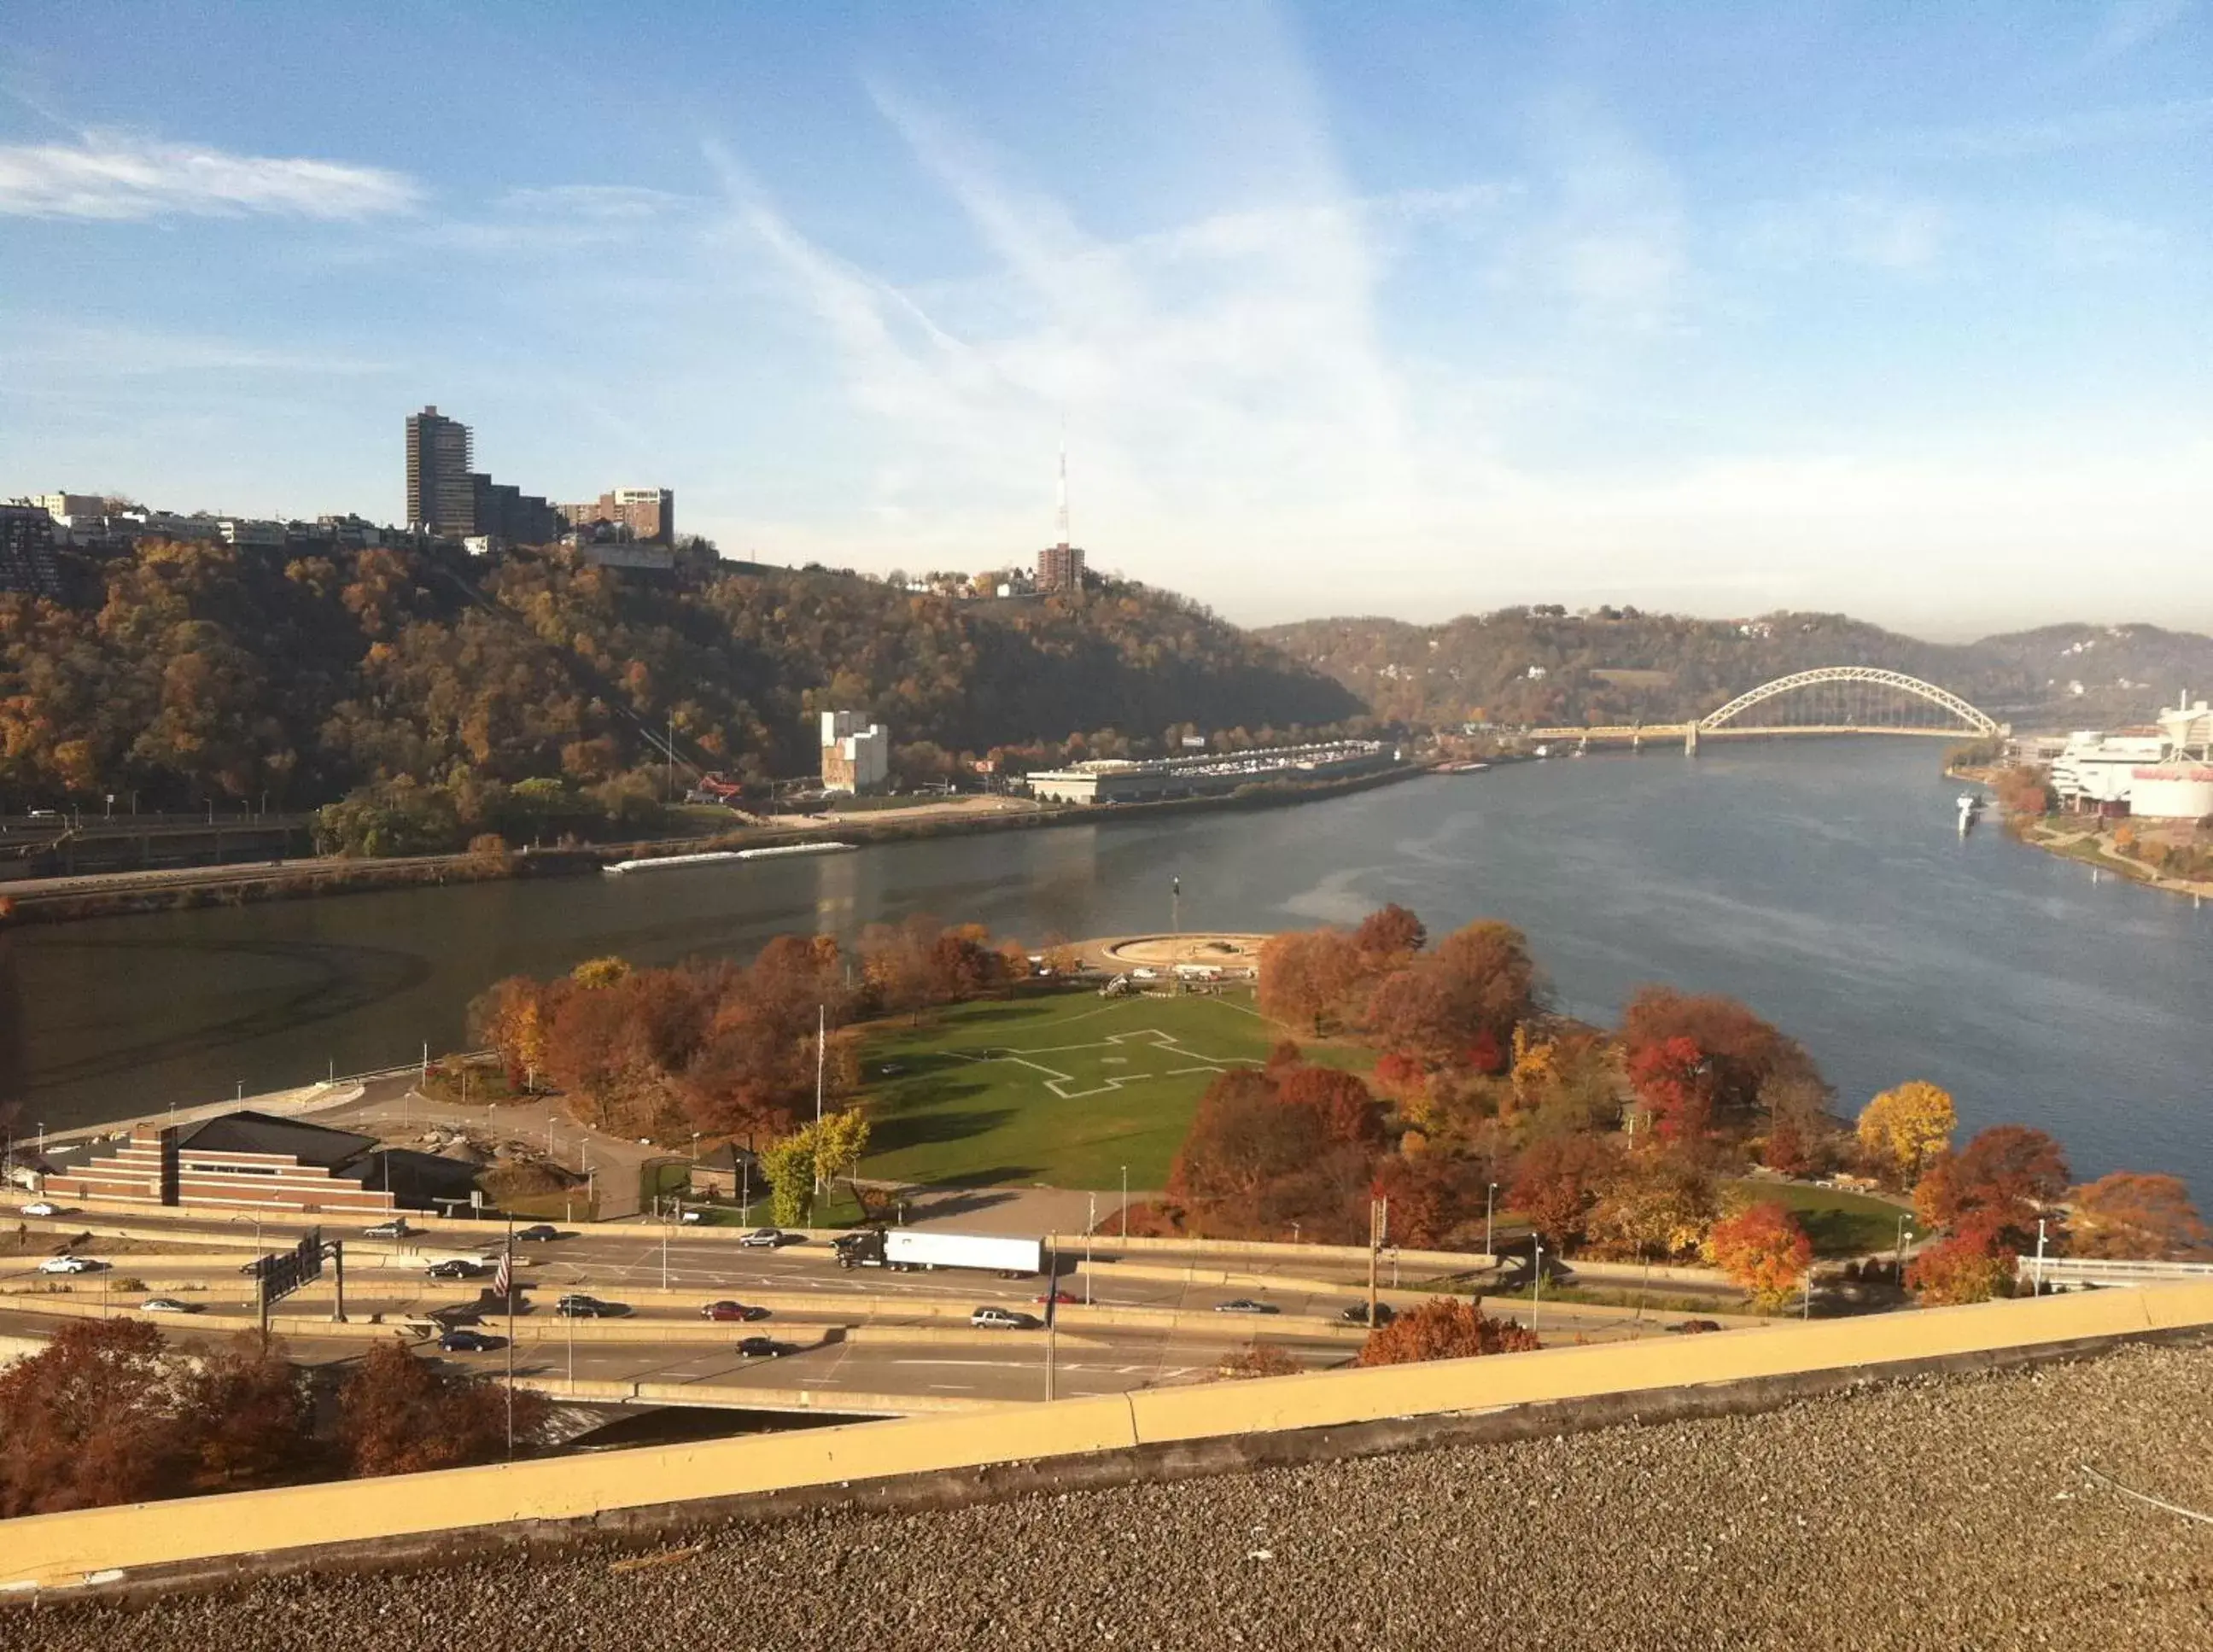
2168 775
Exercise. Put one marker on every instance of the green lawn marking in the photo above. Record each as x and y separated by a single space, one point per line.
1062 1090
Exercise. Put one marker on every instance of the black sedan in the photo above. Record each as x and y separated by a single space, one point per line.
461 1341
763 1348
581 1306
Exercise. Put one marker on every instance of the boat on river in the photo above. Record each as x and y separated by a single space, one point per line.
716 856
1970 805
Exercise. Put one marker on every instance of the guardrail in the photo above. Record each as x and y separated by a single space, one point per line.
2086 1269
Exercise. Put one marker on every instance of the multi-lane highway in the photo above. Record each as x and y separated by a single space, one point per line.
885 1340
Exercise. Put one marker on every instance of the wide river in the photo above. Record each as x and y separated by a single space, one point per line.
1823 882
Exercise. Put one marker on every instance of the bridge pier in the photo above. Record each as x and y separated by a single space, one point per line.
1690 741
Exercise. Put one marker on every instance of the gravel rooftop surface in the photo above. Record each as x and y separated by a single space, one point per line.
1940 1513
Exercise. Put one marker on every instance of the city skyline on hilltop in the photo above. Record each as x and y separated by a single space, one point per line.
1416 311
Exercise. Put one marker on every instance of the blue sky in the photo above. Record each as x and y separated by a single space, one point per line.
1905 310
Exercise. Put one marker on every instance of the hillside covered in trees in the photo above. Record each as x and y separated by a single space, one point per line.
1545 665
201 673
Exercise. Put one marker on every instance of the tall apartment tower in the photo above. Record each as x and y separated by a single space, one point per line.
442 495
1060 567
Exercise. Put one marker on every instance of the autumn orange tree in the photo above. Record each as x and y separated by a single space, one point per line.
1557 1180
1308 977
2134 1214
1444 1328
1763 1249
401 1415
1972 1266
2006 1176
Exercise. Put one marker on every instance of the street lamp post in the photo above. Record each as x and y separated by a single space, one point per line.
1536 1285
1125 1201
1090 1222
1904 1232
2039 1256
1489 1197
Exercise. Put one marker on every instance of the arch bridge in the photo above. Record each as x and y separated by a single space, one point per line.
1834 699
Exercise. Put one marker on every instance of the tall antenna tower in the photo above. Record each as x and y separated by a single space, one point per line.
1060 516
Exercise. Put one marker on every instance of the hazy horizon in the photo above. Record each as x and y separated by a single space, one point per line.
1416 311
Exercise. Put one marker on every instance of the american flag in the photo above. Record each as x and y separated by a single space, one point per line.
503 1282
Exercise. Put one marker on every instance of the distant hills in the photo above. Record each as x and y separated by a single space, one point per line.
1546 665
201 672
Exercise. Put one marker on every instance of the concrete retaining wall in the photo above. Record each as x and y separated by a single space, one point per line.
377 1519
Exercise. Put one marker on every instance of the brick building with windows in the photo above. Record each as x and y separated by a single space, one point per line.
245 1160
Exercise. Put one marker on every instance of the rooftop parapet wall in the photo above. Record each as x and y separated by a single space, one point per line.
365 1520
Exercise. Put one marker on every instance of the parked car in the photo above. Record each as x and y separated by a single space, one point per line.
1244 1305
1695 1327
738 1313
166 1305
460 1340
1058 1296
762 1348
581 1306
1357 1314
42 1208
395 1229
691 1215
455 1268
999 1319
69 1265
770 1238
539 1233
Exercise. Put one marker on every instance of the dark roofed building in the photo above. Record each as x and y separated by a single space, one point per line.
245 1160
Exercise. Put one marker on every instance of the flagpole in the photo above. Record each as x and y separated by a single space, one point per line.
507 1274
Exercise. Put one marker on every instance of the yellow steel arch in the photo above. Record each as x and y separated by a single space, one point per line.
1977 720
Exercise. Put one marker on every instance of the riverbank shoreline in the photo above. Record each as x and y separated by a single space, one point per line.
2082 844
131 894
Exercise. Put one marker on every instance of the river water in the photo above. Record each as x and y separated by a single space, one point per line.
1823 882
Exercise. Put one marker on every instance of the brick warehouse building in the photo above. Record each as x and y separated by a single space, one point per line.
251 1159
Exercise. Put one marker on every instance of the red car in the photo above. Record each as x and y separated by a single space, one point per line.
1059 1296
737 1312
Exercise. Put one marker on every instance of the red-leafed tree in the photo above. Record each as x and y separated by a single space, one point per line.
1970 1266
1675 1080
2008 1175
1342 1103
1476 987
91 1419
1445 1328
1391 934
401 1415
1742 1053
1557 1180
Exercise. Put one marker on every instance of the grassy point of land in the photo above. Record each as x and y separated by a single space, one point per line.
1838 1221
1062 1091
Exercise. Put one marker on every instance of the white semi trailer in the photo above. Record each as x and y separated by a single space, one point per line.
905 1248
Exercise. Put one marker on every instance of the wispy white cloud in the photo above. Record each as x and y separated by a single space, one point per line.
74 350
1606 231
1882 232
117 176
593 203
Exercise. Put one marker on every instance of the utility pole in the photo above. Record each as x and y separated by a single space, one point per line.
338 1259
668 789
1051 1318
507 1277
821 1032
1375 1209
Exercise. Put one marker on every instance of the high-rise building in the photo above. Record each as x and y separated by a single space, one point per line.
27 567
646 514
442 494
1060 567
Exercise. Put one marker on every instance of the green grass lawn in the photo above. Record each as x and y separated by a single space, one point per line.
1062 1091
1840 1223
